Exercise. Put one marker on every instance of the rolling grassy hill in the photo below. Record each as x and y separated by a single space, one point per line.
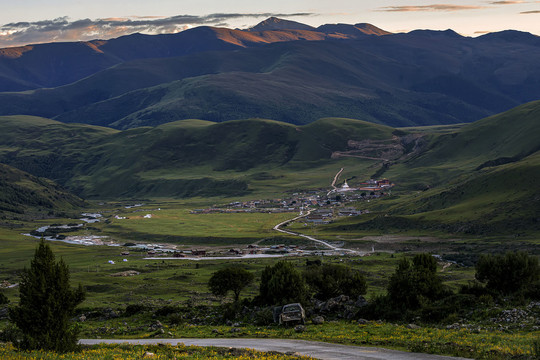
480 179
476 178
22 194
184 158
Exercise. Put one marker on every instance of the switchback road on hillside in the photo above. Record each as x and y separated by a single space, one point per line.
317 350
311 238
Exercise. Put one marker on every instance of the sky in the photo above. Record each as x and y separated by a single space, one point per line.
36 21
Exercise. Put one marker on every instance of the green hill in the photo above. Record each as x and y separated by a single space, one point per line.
480 179
22 194
477 178
184 158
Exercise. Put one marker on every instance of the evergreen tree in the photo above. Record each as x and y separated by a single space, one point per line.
415 283
46 303
281 284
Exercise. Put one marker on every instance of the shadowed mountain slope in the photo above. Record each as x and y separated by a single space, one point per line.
422 78
55 64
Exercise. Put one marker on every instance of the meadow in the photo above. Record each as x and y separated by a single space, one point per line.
133 352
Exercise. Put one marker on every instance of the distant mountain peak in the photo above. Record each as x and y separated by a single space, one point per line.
274 23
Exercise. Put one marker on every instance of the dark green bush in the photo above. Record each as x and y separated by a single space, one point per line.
331 280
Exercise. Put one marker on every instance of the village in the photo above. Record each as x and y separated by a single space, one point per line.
314 207
325 206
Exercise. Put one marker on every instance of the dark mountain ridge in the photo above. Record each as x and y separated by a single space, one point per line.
55 64
398 80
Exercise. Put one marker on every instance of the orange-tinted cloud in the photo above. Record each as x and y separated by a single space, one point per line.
63 29
531 12
507 2
433 7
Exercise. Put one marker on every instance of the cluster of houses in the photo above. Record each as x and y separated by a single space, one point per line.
327 205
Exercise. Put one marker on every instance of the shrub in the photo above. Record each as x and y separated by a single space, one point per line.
3 299
331 280
282 283
232 278
416 283
509 273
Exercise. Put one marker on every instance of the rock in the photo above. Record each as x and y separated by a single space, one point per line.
170 333
299 328
217 332
293 353
362 322
82 318
110 314
413 326
361 301
148 355
318 320
156 325
235 330
4 313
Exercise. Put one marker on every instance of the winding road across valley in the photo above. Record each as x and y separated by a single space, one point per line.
317 350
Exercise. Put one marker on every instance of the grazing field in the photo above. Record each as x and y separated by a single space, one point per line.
179 226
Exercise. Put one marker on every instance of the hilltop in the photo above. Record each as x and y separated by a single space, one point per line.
291 75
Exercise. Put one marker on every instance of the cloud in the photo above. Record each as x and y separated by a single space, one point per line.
63 29
531 12
507 2
433 7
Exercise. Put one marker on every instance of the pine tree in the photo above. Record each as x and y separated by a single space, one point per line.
47 301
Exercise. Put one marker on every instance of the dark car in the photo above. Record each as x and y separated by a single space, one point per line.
290 314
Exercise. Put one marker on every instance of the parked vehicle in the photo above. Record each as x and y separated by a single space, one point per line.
290 314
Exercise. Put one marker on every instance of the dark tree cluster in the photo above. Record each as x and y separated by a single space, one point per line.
47 302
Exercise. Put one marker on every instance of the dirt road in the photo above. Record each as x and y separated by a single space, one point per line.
318 350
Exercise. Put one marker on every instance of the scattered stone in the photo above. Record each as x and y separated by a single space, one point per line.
235 330
4 313
299 328
156 325
110 314
361 301
126 273
82 318
318 320
362 322
293 353
413 326
148 355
